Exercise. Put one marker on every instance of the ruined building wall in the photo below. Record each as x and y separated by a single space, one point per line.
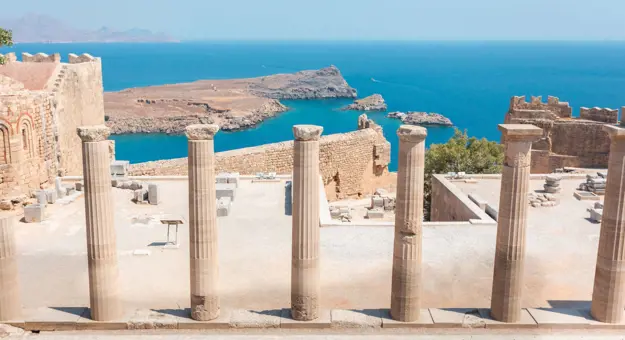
42 102
26 160
567 141
351 163
449 203
79 101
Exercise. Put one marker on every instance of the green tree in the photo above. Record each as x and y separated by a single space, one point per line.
460 153
6 39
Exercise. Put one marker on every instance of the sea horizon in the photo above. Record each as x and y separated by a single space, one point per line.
470 82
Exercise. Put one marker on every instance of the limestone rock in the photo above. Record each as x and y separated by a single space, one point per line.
374 102
421 118
6 205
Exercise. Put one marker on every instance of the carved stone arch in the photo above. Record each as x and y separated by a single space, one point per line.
5 146
25 128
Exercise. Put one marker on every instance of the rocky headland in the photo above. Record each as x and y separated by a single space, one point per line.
233 104
374 102
421 118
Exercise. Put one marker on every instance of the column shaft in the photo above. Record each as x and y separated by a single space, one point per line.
203 229
511 225
101 240
406 279
608 297
10 304
305 234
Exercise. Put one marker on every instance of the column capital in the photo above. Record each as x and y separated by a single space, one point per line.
412 133
521 132
201 131
614 132
307 132
93 133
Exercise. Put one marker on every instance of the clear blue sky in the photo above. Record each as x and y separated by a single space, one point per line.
345 19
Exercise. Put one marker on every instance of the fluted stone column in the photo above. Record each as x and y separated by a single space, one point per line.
608 296
10 305
406 281
203 222
101 240
305 234
512 221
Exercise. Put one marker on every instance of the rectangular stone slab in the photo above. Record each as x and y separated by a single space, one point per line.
242 318
558 318
425 320
323 321
369 318
119 168
52 319
457 318
34 213
526 320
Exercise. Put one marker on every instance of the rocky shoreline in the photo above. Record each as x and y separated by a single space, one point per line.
235 104
421 118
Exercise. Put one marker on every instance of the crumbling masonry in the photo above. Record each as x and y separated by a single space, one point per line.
42 102
566 141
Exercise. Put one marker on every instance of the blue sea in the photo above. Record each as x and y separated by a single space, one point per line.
469 82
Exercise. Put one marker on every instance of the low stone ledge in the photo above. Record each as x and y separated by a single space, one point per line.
366 318
243 318
323 321
425 320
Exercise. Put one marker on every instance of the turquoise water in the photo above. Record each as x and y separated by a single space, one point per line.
469 82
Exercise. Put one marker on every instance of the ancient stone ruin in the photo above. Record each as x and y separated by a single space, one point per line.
567 141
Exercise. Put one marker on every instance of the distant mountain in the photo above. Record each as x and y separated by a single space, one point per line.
35 28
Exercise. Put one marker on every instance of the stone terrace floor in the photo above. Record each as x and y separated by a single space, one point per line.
255 250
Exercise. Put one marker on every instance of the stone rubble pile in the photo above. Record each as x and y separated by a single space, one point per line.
380 202
542 200
594 184
341 213
35 207
552 184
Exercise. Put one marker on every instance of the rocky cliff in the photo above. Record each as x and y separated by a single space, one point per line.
232 104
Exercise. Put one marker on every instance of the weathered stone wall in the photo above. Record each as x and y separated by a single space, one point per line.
26 154
351 163
42 102
79 101
566 141
450 204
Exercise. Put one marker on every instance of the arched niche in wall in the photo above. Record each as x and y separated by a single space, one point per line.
25 129
5 148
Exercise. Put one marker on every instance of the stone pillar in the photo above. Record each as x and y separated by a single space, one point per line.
10 305
203 222
512 221
406 280
101 240
608 295
305 222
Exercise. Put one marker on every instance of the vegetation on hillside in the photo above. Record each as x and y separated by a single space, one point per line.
460 153
6 39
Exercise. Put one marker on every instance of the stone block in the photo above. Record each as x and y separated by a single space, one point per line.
6 204
374 213
344 210
153 197
226 190
552 178
389 203
334 213
602 174
457 317
119 168
52 319
34 213
598 205
552 190
255 319
323 321
479 201
377 202
584 195
140 195
381 192
222 178
79 186
223 206
526 320
595 214
368 318
42 198
558 318
425 320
